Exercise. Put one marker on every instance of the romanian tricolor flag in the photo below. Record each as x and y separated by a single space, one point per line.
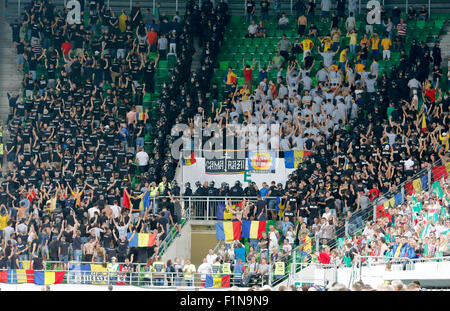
51 204
141 239
389 203
126 202
253 229
417 185
424 123
409 188
189 161
141 116
230 78
25 264
228 230
17 276
293 158
48 278
217 282
281 205
223 212
439 172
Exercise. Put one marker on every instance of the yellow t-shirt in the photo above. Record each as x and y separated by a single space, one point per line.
444 140
326 44
352 37
4 221
306 44
245 93
364 41
375 42
122 24
343 56
360 67
386 43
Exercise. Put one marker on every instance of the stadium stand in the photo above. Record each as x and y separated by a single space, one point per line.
89 161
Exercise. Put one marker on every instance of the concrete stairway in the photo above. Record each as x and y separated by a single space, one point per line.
445 45
10 78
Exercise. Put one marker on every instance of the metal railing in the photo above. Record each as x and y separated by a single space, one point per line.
173 232
328 277
330 271
396 264
370 213
139 275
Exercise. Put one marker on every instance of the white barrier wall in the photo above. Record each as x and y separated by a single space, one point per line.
196 172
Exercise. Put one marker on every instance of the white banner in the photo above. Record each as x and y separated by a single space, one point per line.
196 172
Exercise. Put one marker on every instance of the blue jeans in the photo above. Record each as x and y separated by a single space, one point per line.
77 255
352 48
178 281
23 257
159 281
248 17
139 141
264 15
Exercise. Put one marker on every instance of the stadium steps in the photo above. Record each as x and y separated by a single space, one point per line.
445 44
10 78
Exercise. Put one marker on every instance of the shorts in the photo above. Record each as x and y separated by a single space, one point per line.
272 206
176 219
20 59
64 258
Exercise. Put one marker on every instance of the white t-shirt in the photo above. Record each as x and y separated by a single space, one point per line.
204 269
92 211
116 210
211 258
252 29
122 231
142 158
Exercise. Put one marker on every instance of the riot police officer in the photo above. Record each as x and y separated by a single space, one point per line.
224 190
251 190
187 190
200 204
200 191
236 190
212 191
175 191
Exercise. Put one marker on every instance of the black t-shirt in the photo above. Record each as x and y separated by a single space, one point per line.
122 247
64 248
260 205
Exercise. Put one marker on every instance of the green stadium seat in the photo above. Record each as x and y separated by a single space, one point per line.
163 64
224 65
421 24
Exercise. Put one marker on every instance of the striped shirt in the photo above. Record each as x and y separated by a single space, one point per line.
401 29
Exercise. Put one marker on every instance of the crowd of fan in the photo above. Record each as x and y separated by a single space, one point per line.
74 137
366 130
